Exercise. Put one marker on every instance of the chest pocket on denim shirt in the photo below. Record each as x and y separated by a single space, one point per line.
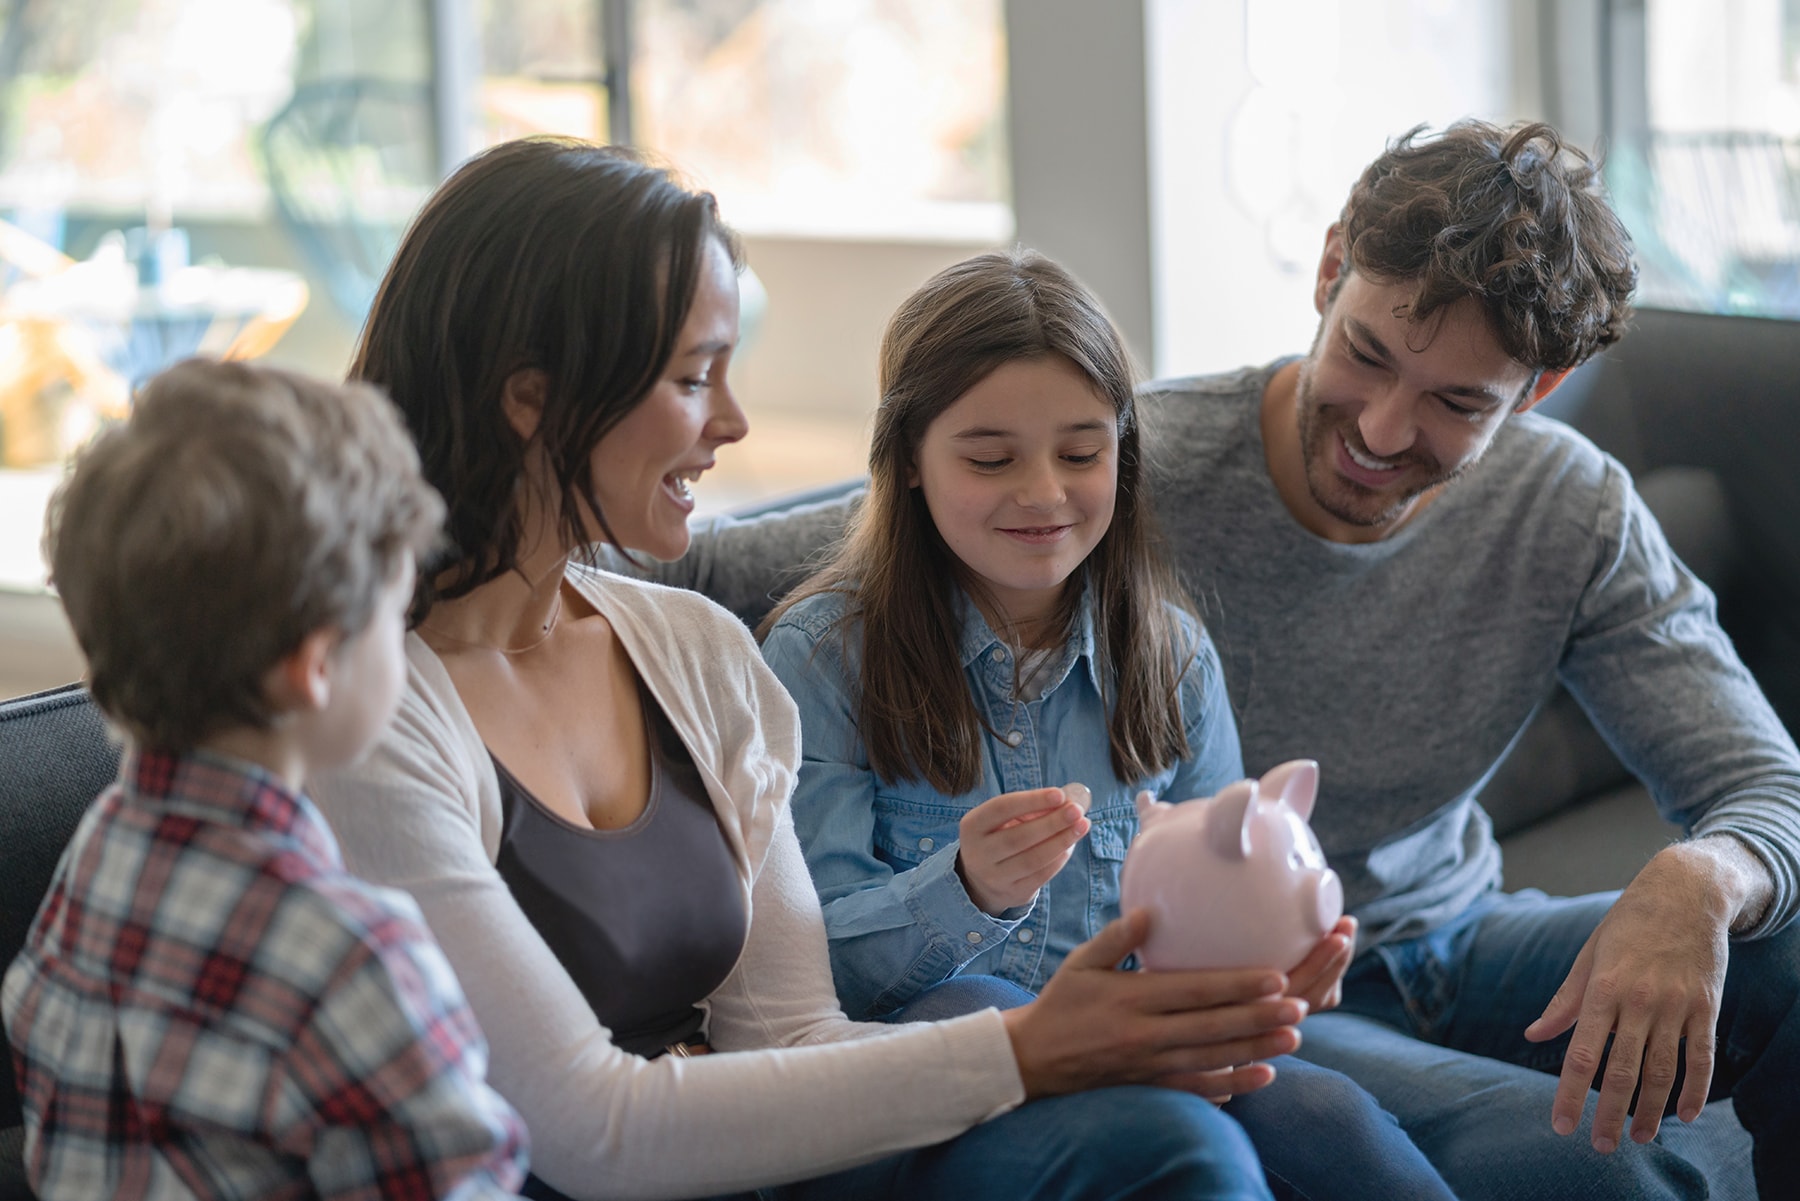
909 831
1111 834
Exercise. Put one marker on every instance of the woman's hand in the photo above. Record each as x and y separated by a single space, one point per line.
1319 978
1012 844
1094 1026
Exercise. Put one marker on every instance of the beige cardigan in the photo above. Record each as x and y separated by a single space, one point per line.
807 1092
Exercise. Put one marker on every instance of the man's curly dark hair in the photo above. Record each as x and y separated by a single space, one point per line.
1511 216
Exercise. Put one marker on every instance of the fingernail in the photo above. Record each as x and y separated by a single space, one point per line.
1606 1146
1563 1125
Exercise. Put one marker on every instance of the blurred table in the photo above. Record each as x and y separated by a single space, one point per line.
74 341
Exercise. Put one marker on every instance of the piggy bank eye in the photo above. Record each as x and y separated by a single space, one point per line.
1295 861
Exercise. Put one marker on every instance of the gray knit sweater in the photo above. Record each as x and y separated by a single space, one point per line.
1408 667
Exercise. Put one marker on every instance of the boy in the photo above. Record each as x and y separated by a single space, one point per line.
208 1003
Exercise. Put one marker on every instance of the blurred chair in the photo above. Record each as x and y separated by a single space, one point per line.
348 162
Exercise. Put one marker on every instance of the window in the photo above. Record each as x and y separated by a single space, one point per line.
170 187
197 175
1706 168
823 118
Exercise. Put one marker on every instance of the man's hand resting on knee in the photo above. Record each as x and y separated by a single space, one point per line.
1651 974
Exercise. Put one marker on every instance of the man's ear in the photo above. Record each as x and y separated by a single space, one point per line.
1332 267
300 681
1546 384
522 400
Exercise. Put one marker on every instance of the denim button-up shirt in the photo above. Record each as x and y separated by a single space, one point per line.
883 853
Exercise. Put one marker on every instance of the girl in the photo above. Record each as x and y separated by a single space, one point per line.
999 622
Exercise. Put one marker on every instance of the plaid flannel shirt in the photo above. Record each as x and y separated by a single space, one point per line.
208 1004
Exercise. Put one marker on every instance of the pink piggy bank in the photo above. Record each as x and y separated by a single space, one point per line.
1237 880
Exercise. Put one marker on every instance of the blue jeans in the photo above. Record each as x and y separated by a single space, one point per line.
1433 1027
1115 1144
1319 1136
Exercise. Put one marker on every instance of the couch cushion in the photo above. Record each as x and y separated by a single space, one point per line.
55 757
12 1165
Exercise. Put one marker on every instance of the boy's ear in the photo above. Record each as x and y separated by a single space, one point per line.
522 399
300 681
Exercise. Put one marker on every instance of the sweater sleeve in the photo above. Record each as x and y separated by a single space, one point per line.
1647 660
747 564
605 1123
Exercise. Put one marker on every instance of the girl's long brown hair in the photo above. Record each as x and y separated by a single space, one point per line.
917 716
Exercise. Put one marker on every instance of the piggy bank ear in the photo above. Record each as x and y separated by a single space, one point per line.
1148 806
1228 823
1296 782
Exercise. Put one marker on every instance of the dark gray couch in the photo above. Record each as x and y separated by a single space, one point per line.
1704 410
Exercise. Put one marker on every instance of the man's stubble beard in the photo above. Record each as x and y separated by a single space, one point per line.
1318 450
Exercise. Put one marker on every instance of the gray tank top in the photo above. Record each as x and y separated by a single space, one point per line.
647 920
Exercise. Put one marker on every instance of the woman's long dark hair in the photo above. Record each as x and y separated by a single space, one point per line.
578 260
917 717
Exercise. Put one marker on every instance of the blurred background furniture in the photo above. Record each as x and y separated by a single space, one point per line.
77 336
348 162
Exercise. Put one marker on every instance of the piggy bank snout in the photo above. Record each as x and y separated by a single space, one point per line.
1322 899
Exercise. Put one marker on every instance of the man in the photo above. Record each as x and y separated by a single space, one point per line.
1398 561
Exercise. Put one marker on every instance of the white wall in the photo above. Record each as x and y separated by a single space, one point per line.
1261 115
37 648
1078 149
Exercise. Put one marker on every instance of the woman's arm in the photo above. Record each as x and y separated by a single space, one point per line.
605 1123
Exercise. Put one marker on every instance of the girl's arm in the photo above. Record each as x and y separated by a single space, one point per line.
892 933
1214 757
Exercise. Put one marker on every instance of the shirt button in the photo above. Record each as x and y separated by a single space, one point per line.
926 844
997 655
1015 737
974 936
1023 936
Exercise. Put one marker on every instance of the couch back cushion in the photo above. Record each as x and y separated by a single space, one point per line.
55 757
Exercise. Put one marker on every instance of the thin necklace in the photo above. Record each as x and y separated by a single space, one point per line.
549 629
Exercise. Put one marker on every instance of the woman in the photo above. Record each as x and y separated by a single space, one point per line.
586 787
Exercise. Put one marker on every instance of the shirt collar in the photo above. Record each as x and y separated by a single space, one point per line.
978 639
230 791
